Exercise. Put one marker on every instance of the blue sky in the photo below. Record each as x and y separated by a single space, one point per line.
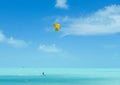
89 36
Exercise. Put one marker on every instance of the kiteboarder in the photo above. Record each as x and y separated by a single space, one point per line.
43 73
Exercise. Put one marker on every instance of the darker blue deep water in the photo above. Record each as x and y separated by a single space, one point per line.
57 80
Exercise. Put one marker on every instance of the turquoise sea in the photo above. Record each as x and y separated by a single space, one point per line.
59 76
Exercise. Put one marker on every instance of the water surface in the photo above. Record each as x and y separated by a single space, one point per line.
59 76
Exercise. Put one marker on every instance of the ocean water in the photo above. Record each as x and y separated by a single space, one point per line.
55 76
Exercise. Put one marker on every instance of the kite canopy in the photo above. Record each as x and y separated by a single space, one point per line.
56 26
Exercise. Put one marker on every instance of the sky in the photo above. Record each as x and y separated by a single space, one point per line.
89 36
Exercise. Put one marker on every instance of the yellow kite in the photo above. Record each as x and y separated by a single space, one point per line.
57 27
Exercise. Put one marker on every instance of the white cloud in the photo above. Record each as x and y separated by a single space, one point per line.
12 41
2 37
102 22
61 4
17 43
49 48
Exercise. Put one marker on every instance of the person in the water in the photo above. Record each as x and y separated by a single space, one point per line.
43 73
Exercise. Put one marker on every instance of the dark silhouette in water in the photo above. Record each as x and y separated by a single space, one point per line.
43 73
